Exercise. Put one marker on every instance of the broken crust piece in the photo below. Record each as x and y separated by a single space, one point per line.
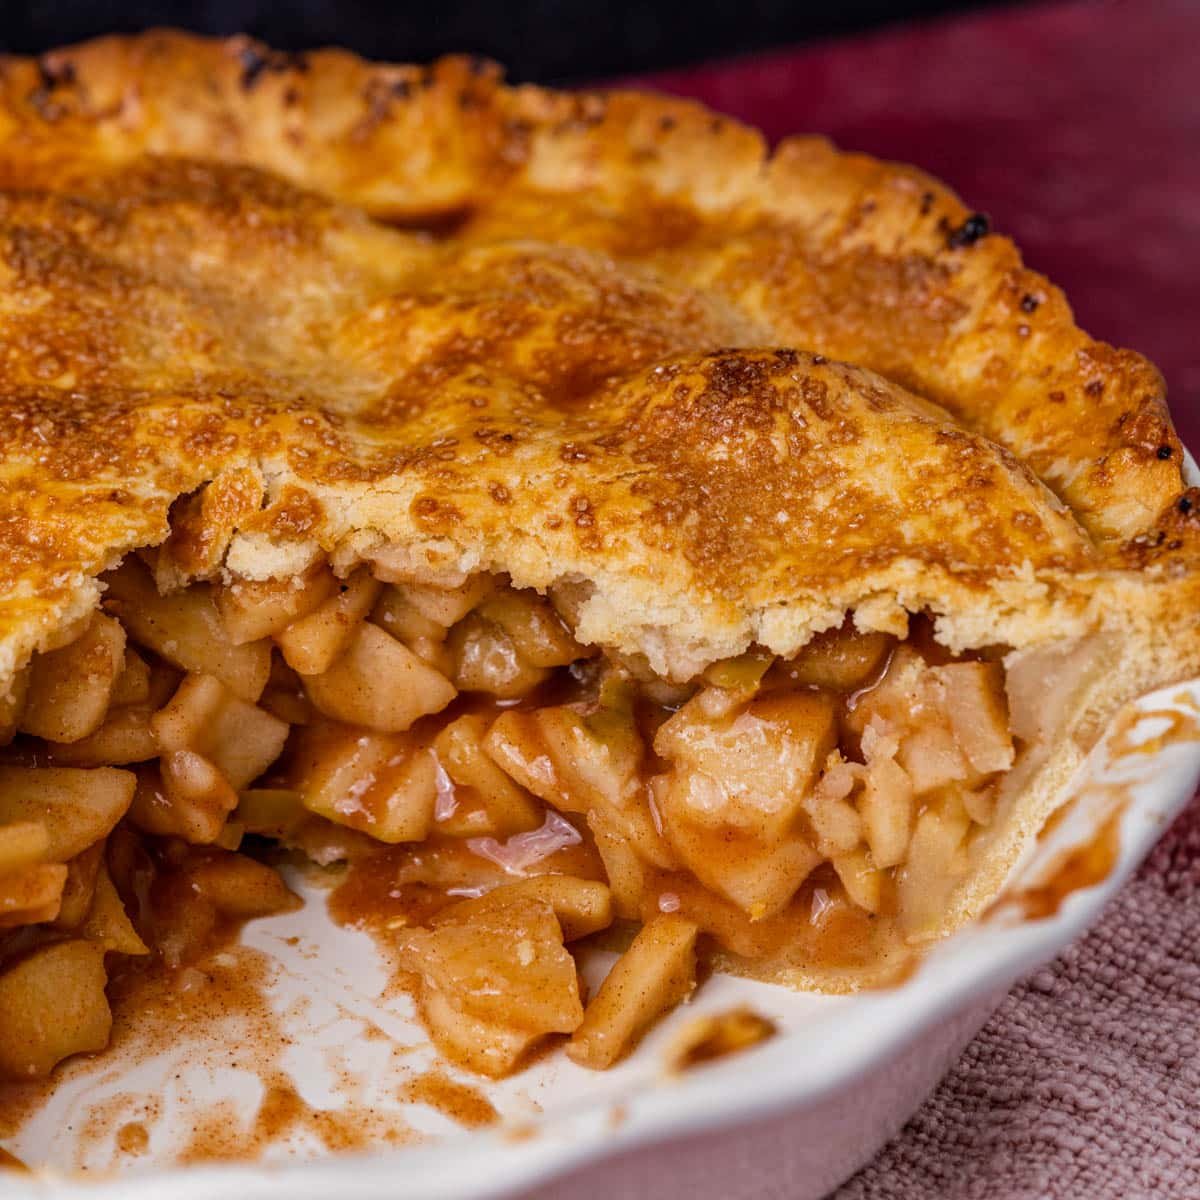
386 398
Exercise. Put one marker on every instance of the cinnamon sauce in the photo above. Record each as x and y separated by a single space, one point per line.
1090 863
1081 867
462 1103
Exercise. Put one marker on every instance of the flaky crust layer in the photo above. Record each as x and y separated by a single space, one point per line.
589 339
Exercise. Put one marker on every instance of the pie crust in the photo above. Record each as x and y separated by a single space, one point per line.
355 364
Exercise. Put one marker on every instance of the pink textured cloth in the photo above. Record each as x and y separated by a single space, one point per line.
1077 126
1086 1082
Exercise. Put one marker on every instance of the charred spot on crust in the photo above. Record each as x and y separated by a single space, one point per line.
55 72
52 73
976 226
256 61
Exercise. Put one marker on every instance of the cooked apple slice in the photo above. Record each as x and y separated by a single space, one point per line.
758 869
486 659
270 812
231 835
107 923
125 737
739 781
70 689
582 906
186 629
183 795
77 807
284 696
934 863
384 785
79 887
862 880
836 825
582 762
886 803
651 977
396 613
252 608
508 808
506 966
205 717
52 1005
538 633
238 886
379 683
132 685
445 606
480 1046
12 704
950 722
971 694
762 756
31 895
182 923
623 866
839 660
22 844
311 644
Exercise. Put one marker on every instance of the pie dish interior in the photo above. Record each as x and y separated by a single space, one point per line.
550 507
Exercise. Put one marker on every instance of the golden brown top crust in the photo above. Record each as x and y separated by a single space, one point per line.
574 337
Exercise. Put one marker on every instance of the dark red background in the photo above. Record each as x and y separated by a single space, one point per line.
1076 126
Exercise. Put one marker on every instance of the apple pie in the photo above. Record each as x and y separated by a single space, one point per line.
555 502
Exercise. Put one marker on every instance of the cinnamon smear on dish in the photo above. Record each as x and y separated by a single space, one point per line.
461 1102
1090 862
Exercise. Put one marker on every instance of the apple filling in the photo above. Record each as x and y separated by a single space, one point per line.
511 792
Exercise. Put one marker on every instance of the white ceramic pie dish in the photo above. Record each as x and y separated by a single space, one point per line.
818 1100
812 1104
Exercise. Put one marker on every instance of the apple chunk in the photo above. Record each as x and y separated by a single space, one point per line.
251 609
384 785
185 796
311 644
507 808
205 717
582 906
186 629
378 682
52 1005
653 975
70 689
506 966
481 1046
31 895
77 807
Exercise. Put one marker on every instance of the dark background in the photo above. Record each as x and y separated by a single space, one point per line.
541 40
